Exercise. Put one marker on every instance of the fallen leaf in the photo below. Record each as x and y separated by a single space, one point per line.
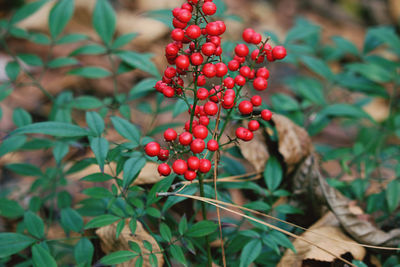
256 151
378 109
148 175
110 244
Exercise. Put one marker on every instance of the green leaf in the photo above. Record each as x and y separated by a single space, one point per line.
250 252
273 174
118 257
60 150
342 110
11 144
139 61
132 168
39 38
59 16
123 40
282 240
31 59
371 71
71 220
90 72
34 224
10 209
99 146
284 102
177 254
142 88
378 35
393 195
90 49
95 122
86 102
26 10
72 38
179 107
21 117
301 32
83 251
64 200
97 177
101 221
318 66
60 129
183 225
24 169
41 257
97 192
62 62
165 232
163 15
104 20
119 228
126 129
345 45
11 243
12 70
202 228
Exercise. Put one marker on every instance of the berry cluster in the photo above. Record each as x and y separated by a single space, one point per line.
196 53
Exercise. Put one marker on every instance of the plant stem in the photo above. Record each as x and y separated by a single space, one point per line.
204 212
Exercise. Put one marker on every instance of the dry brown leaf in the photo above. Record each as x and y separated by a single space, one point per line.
256 151
110 244
327 226
148 175
378 109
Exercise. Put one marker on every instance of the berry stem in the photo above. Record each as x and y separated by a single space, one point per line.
204 213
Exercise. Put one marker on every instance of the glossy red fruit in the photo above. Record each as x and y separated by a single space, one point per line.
263 73
213 29
247 35
187 124
204 120
200 131
253 125
209 70
212 145
254 56
201 80
193 163
210 108
197 145
221 69
241 132
214 95
241 60
228 101
205 165
178 24
248 135
266 114
229 82
168 91
196 59
184 15
260 84
221 26
179 166
233 65
171 49
182 62
164 169
256 38
256 100
241 50
208 49
193 31
163 155
279 52
245 71
209 8
170 134
202 93
240 80
215 40
187 6
246 107
185 138
152 149
177 34
190 175
170 72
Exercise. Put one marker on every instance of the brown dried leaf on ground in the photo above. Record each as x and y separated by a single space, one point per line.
110 244
148 175
256 151
378 109
327 234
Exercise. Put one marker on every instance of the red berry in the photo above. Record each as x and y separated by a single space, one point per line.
254 56
209 8
196 59
213 29
221 69
241 50
176 11
185 138
228 101
214 95
197 146
177 34
208 49
209 70
184 15
245 107
200 131
256 38
248 136
233 65
215 40
171 49
229 82
245 71
260 84
179 166
240 80
279 52
221 26
178 24
263 73
163 155
182 62
256 100
210 108
205 165
194 124
218 51
204 120
201 80
253 125
193 163
164 169
170 72
212 145
239 59
230 92
168 91
193 31
247 35
170 134
152 149
202 93
190 175
266 114
187 6
241 132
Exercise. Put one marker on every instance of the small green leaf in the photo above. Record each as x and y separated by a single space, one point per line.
273 174
202 228
139 261
39 38
83 251
95 122
104 20
21 117
97 177
250 252
371 71
86 102
10 209
31 59
284 102
318 66
59 16
62 62
60 129
12 70
60 150
25 169
90 49
101 221
41 257
123 40
342 110
282 240
34 224
142 88
132 227
26 10
345 45
393 195
97 192
179 107
132 168
118 257
165 232
99 146
71 220
177 254
91 72
139 61
183 225
11 144
11 243
126 129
